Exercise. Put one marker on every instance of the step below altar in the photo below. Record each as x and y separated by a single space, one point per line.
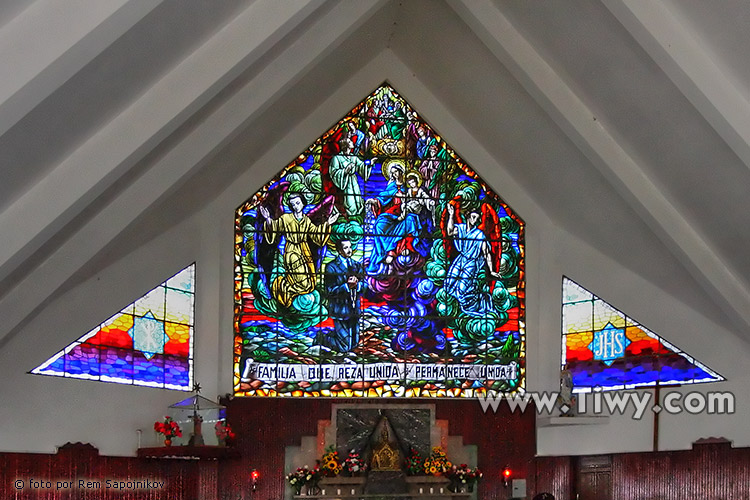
395 451
354 487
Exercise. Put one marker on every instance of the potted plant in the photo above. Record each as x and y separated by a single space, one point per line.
414 464
437 463
169 429
354 465
224 433
297 479
463 478
330 465
312 479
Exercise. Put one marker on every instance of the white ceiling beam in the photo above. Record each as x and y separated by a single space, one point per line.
580 124
691 68
50 41
191 153
114 149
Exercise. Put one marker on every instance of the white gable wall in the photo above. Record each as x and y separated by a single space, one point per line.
108 415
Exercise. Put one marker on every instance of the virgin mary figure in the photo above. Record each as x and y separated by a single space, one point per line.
401 216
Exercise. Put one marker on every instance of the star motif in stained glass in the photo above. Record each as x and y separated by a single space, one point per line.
609 344
148 335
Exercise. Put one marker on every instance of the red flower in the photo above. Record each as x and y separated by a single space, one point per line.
169 428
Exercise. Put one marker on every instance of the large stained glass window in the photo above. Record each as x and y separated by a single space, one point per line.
149 342
604 348
378 264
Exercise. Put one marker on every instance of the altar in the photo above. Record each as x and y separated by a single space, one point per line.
354 488
384 437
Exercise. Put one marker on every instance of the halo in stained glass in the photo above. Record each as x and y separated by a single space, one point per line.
149 342
378 264
603 347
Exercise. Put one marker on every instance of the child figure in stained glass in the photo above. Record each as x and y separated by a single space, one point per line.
299 273
417 201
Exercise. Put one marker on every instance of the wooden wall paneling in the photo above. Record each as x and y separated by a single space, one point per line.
265 427
709 471
503 439
553 475
593 478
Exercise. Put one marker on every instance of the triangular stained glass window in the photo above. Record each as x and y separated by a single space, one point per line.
378 264
149 342
603 348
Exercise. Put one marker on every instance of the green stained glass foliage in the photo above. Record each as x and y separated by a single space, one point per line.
148 343
378 264
605 349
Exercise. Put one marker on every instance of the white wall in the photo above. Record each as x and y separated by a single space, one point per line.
108 415
673 320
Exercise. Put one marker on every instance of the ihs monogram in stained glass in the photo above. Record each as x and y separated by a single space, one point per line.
604 349
609 344
378 264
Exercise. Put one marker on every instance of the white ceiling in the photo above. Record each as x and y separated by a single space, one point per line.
626 121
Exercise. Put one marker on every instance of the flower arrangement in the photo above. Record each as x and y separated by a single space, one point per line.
297 479
330 465
437 463
354 464
169 428
304 476
461 476
224 432
414 464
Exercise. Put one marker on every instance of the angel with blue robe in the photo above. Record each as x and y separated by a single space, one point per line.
463 279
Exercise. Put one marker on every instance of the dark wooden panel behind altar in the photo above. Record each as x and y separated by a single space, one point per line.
711 471
503 439
266 426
